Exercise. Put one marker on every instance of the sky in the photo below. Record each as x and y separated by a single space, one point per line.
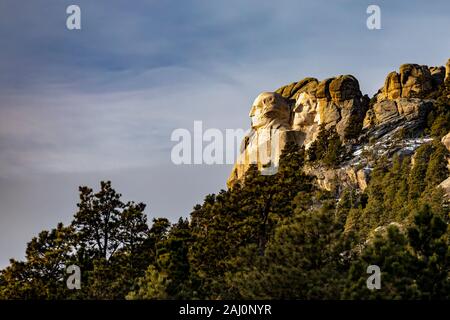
100 103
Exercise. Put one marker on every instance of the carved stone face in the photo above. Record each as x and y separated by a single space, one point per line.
269 110
305 111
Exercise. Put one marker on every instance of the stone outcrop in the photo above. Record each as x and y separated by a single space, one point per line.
336 102
271 130
412 81
446 141
445 185
387 111
293 90
438 75
401 99
447 70
298 111
336 180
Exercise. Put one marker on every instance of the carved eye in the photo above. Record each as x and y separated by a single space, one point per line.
269 101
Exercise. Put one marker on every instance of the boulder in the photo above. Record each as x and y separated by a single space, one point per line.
446 141
369 119
445 185
363 176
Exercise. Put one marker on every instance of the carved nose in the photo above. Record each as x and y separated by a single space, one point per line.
252 111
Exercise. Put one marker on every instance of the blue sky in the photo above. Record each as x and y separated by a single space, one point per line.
100 103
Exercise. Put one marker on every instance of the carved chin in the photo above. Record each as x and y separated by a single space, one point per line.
258 123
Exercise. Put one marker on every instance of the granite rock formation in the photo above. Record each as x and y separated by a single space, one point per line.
300 110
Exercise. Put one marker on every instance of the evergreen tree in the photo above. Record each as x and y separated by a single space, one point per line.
42 275
327 149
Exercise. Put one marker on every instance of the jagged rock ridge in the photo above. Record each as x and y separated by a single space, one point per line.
374 126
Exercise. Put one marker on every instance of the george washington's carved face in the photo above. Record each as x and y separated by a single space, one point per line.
270 110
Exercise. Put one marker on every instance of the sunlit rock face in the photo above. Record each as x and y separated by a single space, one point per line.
296 113
447 70
403 98
445 185
298 116
412 81
446 141
334 102
400 109
270 117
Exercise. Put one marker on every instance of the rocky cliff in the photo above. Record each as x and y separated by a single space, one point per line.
390 123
